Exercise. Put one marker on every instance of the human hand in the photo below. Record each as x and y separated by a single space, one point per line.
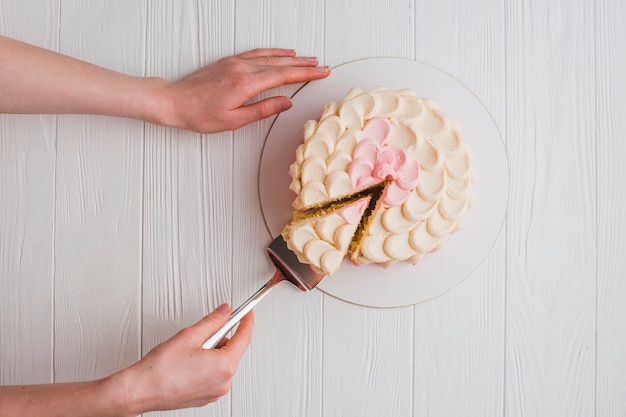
209 100
179 373
213 98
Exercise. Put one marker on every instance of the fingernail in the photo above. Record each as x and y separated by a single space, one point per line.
324 68
222 309
311 58
285 104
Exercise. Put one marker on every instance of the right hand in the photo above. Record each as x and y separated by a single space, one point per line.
179 373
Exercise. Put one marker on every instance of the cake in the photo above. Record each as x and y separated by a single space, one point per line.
323 239
399 150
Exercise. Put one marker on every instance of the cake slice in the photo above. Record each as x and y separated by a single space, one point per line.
323 238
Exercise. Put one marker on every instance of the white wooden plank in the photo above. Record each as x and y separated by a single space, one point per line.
216 41
611 181
187 196
26 251
454 374
459 336
27 164
551 259
551 294
378 341
281 373
356 30
368 367
98 205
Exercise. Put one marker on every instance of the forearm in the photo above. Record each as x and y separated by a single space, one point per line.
102 398
37 81
176 374
212 99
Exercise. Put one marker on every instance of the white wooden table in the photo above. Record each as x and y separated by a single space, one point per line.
114 233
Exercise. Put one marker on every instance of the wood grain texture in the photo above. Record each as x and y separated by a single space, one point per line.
281 373
378 341
368 353
611 180
216 41
353 31
27 166
551 260
187 182
98 207
459 336
26 249
114 234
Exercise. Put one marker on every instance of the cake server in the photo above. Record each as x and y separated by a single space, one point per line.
288 269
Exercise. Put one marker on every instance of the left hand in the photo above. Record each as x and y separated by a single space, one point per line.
213 98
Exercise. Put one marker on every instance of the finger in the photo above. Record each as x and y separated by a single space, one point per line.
261 110
210 324
267 52
239 341
277 76
222 342
284 61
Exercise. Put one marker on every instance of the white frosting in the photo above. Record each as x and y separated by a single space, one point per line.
323 241
432 210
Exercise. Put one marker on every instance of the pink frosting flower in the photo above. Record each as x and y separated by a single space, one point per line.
373 160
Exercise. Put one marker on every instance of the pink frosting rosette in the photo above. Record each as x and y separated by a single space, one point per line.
373 161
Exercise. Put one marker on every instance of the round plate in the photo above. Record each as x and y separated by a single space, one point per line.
401 284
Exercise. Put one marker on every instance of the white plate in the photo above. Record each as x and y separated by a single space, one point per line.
402 284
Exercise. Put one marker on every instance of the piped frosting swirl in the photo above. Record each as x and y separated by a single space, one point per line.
377 135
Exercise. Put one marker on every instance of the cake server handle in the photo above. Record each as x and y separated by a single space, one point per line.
242 310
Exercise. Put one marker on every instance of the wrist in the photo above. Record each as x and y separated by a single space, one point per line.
120 389
155 104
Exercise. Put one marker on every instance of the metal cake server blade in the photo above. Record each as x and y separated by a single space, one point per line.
288 268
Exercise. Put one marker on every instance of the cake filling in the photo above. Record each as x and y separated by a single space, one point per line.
323 240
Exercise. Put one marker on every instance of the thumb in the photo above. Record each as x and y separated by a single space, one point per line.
211 323
262 109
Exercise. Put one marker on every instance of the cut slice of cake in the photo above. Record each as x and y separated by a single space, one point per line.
323 238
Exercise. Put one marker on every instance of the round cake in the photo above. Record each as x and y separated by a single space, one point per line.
403 152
